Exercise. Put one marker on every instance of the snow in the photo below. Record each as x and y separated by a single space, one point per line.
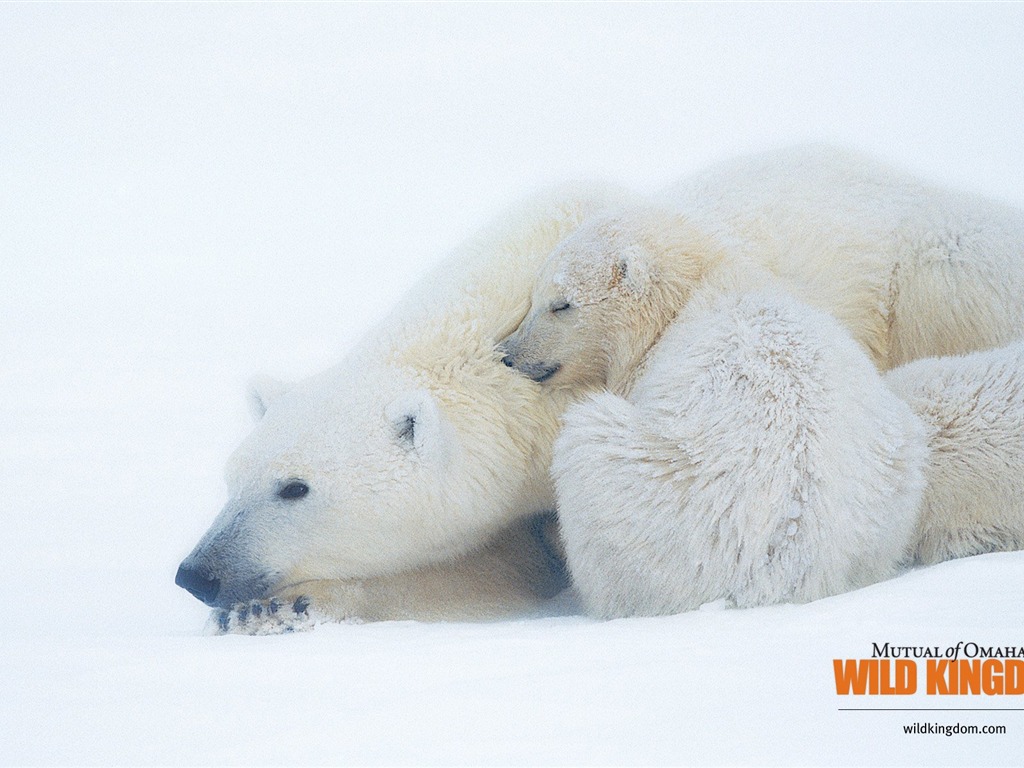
193 193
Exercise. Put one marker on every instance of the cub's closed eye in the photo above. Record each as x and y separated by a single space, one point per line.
293 490
560 306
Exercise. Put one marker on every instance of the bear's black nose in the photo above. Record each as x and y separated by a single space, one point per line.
199 584
507 360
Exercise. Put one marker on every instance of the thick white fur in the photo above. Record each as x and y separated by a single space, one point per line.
420 449
393 515
910 269
973 407
759 459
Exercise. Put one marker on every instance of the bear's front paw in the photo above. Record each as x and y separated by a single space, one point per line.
263 617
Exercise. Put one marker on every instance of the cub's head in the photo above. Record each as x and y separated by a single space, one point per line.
603 296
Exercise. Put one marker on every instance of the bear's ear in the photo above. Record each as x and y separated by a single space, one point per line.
263 390
416 422
631 271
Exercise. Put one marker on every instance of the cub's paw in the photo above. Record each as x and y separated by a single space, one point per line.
263 617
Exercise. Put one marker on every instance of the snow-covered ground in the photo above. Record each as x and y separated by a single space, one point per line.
192 193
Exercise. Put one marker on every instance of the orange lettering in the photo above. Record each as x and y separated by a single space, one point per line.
991 677
970 676
936 677
1014 673
875 676
852 676
906 677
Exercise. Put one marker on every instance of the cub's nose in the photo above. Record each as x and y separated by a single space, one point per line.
199 584
509 361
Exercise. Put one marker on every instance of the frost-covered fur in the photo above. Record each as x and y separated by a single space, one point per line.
759 459
911 270
973 407
420 451
605 294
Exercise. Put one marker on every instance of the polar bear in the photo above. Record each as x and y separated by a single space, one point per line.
973 406
909 269
759 459
402 483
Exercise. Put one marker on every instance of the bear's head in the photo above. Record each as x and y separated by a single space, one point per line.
603 296
349 476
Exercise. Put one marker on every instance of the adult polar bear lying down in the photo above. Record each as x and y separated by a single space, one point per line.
911 270
392 485
403 482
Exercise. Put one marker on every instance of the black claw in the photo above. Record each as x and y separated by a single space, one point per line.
300 605
243 614
274 606
257 610
224 621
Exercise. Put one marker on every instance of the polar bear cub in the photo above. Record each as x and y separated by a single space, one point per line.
604 294
759 459
973 407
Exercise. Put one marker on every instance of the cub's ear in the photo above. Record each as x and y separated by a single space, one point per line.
652 237
417 423
631 270
263 390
